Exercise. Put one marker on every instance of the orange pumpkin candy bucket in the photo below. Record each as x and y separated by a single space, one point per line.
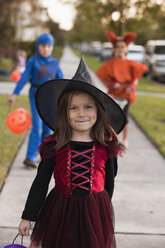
15 76
18 121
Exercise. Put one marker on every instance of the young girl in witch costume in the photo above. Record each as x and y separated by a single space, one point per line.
82 155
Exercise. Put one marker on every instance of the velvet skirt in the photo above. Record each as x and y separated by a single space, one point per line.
75 221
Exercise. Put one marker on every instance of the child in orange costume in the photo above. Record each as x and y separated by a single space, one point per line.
121 75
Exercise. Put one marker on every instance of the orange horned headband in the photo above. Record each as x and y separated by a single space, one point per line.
128 37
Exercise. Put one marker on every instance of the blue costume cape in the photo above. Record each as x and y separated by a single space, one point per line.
36 77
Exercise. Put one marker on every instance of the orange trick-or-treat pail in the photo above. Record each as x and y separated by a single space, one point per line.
18 121
15 76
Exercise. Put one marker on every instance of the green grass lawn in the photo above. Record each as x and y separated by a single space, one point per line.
9 142
145 84
93 62
57 51
149 113
6 63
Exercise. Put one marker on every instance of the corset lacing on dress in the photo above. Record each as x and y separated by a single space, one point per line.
80 170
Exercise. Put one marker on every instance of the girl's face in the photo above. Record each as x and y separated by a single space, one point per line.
45 50
120 50
82 114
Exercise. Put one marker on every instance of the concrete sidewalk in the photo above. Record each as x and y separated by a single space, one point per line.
139 196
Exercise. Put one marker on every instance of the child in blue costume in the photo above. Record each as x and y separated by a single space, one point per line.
40 68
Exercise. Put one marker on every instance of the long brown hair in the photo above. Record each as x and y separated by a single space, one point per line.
101 131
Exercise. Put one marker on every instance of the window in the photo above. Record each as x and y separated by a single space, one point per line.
160 49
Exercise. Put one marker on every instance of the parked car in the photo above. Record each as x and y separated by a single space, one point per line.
106 51
155 58
83 47
96 48
136 52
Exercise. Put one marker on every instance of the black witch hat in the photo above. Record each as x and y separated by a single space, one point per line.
48 94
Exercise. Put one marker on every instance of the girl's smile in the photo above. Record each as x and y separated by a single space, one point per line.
82 113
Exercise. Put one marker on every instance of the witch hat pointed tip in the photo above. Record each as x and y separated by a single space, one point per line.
82 63
82 73
82 59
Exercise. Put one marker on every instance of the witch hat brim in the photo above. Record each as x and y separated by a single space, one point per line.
48 94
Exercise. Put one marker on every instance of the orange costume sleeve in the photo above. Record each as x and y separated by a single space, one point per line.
123 72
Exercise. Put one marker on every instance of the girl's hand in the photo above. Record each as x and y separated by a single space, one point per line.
116 86
11 100
128 90
24 227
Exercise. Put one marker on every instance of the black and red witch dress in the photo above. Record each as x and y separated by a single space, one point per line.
77 213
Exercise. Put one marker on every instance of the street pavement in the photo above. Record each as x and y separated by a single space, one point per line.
139 196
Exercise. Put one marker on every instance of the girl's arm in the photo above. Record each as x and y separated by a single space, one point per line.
132 86
25 76
38 190
111 172
102 74
137 70
21 83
